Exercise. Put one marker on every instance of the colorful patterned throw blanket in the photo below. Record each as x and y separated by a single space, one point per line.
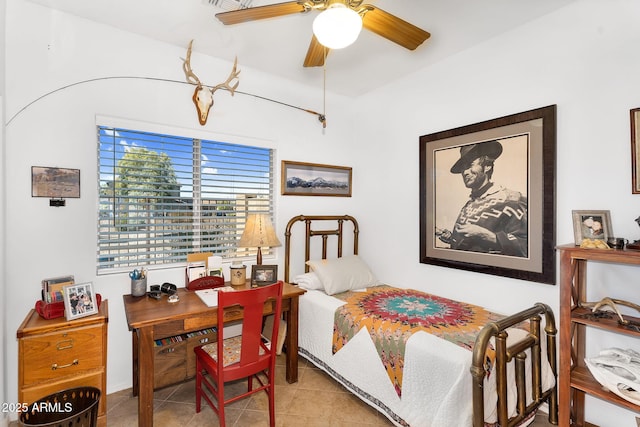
392 315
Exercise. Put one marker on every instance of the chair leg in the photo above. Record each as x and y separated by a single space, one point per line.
220 396
271 392
198 386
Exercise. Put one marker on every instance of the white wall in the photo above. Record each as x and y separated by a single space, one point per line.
48 50
3 330
584 58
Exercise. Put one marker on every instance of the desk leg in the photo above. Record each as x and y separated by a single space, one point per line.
145 377
134 358
291 341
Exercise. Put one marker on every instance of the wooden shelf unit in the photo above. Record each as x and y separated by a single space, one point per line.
574 322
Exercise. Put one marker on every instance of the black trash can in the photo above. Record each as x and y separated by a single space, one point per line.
75 407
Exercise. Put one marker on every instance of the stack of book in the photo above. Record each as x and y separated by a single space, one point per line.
52 288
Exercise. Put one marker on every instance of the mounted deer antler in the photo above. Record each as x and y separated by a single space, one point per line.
203 95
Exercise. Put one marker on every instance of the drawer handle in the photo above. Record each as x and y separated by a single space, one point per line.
64 345
168 350
55 365
204 340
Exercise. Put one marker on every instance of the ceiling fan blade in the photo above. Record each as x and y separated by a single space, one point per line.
315 54
260 12
393 28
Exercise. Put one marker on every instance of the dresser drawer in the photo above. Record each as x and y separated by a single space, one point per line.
49 356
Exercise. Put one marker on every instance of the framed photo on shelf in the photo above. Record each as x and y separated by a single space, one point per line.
595 225
312 179
487 196
79 300
635 150
262 275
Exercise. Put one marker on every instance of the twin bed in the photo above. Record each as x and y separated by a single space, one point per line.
419 359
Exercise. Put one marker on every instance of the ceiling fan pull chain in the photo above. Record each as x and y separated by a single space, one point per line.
323 116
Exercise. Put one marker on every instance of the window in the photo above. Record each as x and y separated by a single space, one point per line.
162 197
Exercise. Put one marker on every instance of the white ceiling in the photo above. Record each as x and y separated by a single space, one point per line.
278 45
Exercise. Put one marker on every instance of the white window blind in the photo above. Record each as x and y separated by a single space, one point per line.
163 196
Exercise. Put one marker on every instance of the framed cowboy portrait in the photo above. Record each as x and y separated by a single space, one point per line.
487 196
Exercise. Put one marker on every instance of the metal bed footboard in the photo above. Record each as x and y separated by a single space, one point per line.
516 352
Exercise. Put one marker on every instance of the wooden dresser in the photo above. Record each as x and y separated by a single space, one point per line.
56 354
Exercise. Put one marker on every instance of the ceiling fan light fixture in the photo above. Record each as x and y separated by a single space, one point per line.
337 26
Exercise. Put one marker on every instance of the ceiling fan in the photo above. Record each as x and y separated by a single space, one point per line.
373 18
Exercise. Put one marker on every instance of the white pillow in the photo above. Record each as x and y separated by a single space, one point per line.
309 281
343 274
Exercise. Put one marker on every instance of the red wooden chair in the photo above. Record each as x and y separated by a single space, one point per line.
244 356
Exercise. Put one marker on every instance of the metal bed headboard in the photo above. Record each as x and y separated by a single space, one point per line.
324 233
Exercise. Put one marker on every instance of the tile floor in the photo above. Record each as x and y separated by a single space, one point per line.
315 400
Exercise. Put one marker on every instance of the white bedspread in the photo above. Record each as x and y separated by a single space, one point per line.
436 386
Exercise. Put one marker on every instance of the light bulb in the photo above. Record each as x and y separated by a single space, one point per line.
337 26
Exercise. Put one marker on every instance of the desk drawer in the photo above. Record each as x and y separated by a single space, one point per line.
170 364
50 356
195 340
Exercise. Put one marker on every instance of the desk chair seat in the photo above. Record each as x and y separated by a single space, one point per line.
232 347
244 356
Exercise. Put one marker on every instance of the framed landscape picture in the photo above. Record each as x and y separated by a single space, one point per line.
487 201
55 182
312 179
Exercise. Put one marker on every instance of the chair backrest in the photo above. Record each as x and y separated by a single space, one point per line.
252 302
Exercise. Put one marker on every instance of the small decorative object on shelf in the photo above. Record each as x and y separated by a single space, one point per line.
635 244
594 244
611 303
617 242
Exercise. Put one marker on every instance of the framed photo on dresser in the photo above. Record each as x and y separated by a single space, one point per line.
79 300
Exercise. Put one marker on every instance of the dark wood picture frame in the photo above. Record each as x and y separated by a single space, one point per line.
55 183
313 179
262 275
635 150
525 164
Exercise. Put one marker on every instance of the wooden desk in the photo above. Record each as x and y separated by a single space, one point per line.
150 319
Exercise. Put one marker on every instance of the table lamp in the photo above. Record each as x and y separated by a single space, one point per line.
258 233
